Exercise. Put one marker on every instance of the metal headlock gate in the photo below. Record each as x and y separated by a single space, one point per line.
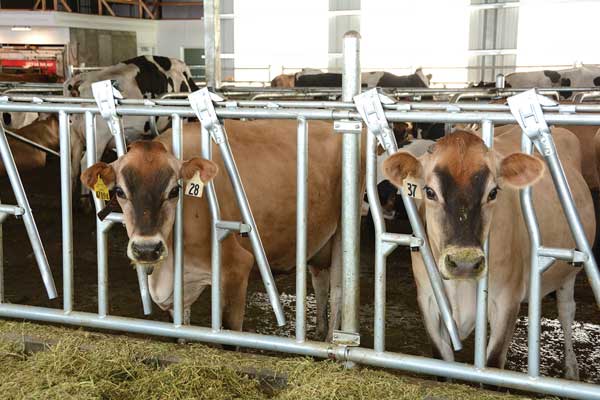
376 112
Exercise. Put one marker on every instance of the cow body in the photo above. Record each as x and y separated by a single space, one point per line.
584 76
27 157
449 170
265 153
142 77
369 79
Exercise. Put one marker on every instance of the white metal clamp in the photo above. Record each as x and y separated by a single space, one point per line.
526 107
201 102
369 105
105 95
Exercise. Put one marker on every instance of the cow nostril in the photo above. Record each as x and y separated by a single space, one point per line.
158 248
449 263
479 264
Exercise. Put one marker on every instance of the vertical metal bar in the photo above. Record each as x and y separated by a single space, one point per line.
28 220
101 227
487 130
178 230
380 256
215 247
351 191
212 43
144 291
66 203
301 222
534 306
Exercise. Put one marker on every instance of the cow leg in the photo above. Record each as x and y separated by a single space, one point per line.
503 315
441 347
234 284
335 282
566 314
320 282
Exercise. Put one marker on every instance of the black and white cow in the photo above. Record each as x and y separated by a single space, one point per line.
143 77
584 76
316 78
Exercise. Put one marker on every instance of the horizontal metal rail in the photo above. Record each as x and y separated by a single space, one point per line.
416 364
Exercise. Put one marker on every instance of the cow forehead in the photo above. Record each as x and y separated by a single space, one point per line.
147 163
462 155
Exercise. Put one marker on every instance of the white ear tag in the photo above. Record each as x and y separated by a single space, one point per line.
194 187
413 187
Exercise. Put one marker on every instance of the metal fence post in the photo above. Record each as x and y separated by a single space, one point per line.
178 312
481 320
351 191
66 209
301 222
212 43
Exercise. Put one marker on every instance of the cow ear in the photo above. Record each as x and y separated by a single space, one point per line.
208 169
89 177
520 170
400 165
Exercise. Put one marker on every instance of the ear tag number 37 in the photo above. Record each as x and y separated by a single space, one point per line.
194 186
101 189
413 188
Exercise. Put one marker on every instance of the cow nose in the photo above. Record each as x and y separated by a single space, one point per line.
460 264
463 264
147 251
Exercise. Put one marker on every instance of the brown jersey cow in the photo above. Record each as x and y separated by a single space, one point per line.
470 192
145 182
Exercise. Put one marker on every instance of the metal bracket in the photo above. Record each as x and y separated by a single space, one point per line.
105 95
224 228
526 107
370 107
350 339
347 126
201 102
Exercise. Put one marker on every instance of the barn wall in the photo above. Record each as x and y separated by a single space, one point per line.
100 48
172 36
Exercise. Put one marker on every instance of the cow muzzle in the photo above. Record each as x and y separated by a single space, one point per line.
462 263
147 252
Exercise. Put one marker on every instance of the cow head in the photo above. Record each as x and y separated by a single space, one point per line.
461 184
145 182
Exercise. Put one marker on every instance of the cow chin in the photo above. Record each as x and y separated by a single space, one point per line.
147 252
466 263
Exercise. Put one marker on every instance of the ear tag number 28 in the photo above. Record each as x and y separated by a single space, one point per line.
101 189
413 188
194 187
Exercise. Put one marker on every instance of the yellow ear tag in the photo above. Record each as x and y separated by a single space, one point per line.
101 190
194 186
413 187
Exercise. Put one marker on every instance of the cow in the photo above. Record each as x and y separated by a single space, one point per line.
145 183
143 77
470 193
584 76
16 120
43 131
369 79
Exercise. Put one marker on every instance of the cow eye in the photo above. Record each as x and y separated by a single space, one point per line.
493 193
120 193
430 193
174 192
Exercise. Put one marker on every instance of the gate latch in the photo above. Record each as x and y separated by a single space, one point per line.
105 95
369 106
526 107
201 102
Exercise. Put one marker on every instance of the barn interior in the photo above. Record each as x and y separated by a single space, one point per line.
463 44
